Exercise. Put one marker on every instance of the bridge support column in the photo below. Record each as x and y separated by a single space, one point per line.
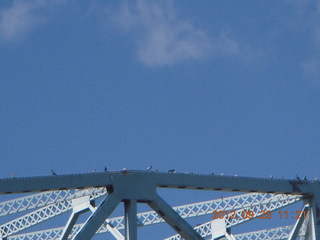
316 215
130 215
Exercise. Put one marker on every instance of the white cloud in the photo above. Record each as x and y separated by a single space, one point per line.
167 43
21 17
317 35
227 46
309 14
17 20
161 37
311 69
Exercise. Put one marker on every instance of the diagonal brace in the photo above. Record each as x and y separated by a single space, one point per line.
295 231
173 219
98 217
67 230
80 205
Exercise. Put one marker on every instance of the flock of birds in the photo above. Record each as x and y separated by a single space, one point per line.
297 178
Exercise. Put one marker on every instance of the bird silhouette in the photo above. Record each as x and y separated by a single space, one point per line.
53 173
124 171
105 169
149 168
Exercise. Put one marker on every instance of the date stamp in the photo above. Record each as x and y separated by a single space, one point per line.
262 214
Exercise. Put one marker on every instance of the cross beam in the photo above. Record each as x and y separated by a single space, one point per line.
160 179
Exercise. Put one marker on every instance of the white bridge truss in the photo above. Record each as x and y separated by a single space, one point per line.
77 194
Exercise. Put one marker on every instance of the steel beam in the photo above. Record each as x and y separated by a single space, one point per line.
185 211
168 180
235 183
38 200
80 205
51 183
174 219
128 185
130 215
98 217
311 227
296 229
316 214
68 228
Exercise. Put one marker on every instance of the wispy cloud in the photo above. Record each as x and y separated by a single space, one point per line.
161 37
309 13
317 35
311 69
18 19
22 17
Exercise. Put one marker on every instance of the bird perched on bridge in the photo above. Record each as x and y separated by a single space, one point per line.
149 168
297 178
124 171
105 169
53 173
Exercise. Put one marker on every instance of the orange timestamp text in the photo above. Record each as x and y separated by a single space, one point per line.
262 214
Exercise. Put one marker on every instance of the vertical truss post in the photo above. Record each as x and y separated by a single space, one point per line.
311 227
130 214
307 226
316 215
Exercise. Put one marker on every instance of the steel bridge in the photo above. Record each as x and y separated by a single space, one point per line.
42 198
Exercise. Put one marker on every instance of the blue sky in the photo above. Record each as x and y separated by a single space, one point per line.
211 86
218 86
